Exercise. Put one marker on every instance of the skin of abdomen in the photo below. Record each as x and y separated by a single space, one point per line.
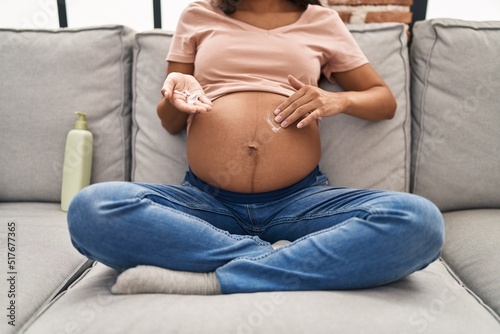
237 146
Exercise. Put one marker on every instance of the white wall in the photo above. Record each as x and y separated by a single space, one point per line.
138 14
28 14
171 10
476 10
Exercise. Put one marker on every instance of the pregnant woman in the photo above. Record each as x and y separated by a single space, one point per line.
254 212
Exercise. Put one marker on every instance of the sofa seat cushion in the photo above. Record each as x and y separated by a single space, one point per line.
45 260
471 250
429 301
456 113
47 75
356 153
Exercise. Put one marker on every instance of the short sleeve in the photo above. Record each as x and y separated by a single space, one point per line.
345 54
184 44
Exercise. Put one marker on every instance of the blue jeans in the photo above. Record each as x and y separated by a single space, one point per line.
340 238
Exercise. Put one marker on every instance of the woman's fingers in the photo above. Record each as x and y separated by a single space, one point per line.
299 105
185 93
295 83
191 102
311 117
173 80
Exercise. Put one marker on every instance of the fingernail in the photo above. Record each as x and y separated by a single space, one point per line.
284 124
300 125
277 111
277 119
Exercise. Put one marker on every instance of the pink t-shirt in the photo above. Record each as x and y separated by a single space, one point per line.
232 56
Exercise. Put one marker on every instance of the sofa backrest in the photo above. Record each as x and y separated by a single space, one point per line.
366 154
456 113
156 155
356 153
47 75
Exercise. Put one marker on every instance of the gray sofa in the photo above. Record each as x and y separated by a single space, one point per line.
443 143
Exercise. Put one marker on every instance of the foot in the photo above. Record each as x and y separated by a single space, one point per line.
151 279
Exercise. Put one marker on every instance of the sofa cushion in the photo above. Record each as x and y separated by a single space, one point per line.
456 113
356 153
366 154
471 250
47 75
45 262
156 156
428 301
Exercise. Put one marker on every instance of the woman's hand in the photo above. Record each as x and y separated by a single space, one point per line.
185 93
365 96
307 104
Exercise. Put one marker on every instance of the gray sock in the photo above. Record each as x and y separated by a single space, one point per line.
150 279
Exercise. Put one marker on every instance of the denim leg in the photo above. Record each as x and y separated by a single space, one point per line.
123 224
344 239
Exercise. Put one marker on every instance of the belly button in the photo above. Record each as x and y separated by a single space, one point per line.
252 146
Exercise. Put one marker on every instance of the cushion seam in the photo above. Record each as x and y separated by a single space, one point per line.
469 290
135 124
422 114
80 271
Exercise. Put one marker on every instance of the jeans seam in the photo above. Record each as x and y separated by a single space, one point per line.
225 211
283 220
240 237
144 194
296 241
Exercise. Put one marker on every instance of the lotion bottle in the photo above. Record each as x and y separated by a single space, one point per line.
77 161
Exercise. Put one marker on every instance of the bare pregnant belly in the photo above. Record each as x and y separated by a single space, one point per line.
238 147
